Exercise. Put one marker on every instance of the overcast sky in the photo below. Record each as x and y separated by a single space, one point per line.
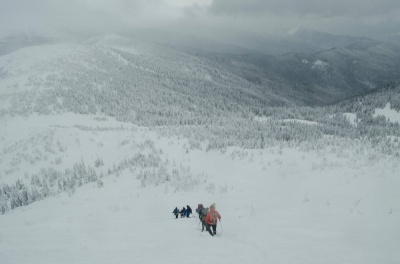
204 17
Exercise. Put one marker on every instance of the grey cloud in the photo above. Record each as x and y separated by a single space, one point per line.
358 8
89 15
221 20
353 17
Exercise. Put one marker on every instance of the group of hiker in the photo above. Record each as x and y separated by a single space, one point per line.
185 212
207 216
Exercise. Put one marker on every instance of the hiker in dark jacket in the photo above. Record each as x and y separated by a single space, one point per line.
188 211
183 212
199 208
176 212
202 215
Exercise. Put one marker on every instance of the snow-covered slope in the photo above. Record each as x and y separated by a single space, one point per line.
104 70
391 114
278 205
100 140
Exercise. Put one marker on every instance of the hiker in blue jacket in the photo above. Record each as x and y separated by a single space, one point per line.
176 212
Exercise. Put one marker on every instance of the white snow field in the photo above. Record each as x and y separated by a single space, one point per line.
391 114
278 205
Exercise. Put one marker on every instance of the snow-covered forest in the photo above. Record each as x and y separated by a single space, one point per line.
102 139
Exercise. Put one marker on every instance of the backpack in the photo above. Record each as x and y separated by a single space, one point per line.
199 209
204 213
214 217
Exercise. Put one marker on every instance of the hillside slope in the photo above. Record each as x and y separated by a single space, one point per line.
102 139
278 205
144 78
319 78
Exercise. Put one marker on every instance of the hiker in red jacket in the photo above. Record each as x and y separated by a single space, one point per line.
211 220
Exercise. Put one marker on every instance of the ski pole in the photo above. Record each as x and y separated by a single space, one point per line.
222 230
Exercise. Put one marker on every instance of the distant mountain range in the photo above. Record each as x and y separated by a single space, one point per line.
18 41
316 68
303 67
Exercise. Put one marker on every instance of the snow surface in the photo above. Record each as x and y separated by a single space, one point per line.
391 114
301 121
306 122
261 118
278 205
352 118
319 65
24 68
